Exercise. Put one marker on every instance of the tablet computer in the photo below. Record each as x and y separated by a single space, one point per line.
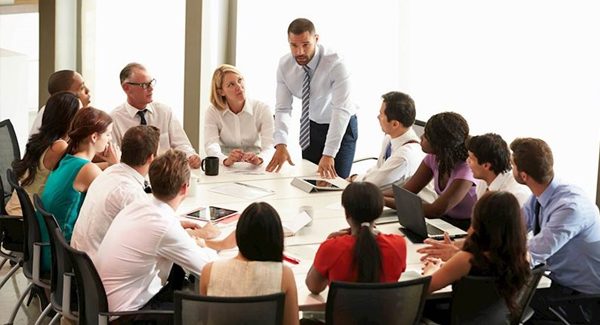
211 213
315 185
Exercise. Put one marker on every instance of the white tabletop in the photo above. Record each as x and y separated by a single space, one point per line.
288 200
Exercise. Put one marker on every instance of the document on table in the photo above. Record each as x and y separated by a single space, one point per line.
242 190
292 225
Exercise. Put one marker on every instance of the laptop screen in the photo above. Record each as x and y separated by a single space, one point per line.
409 208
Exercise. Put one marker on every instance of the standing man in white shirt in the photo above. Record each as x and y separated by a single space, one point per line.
117 187
63 80
401 152
146 238
489 159
140 109
328 125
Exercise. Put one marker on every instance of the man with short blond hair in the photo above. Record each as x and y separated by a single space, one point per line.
147 238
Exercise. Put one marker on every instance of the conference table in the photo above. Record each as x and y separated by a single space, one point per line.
288 200
228 189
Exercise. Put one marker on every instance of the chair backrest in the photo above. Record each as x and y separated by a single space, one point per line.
9 151
195 309
524 297
90 290
476 300
3 201
30 224
61 263
419 127
376 303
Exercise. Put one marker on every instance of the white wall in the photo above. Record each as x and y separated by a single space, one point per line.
517 68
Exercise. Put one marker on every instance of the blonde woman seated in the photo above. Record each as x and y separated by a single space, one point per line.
258 268
496 246
360 254
236 129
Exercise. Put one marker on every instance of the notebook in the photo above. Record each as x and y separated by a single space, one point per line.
416 227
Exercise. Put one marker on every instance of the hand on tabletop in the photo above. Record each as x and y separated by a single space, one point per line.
280 156
194 161
327 167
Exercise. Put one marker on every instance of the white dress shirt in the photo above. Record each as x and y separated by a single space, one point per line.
138 251
118 186
249 130
405 158
160 115
505 182
329 96
37 123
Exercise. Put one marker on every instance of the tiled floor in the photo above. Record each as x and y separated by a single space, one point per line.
10 293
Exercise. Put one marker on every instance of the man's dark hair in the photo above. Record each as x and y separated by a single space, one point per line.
534 157
399 107
301 25
490 148
61 80
139 142
168 173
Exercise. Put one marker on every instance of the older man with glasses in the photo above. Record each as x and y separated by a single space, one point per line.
140 109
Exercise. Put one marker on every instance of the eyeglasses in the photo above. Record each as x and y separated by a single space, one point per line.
144 85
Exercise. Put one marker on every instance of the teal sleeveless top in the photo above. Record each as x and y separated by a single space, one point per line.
62 200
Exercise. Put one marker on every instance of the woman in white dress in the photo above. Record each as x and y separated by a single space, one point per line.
258 268
236 129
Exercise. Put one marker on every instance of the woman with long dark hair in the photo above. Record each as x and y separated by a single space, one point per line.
362 254
90 135
496 246
45 148
445 163
258 268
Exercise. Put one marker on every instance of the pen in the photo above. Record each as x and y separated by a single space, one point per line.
292 260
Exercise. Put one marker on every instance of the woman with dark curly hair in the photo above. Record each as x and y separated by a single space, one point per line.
496 246
445 163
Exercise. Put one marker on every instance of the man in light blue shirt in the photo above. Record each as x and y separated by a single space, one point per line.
317 76
565 225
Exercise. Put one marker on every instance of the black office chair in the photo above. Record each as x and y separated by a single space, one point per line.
376 303
9 151
361 165
583 309
91 296
11 241
524 312
32 250
62 277
419 127
475 300
195 309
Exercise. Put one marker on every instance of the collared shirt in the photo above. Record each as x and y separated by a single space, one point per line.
250 130
160 115
400 165
138 251
329 96
118 186
505 182
569 240
37 123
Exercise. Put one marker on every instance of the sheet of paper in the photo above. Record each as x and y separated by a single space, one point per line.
292 225
242 190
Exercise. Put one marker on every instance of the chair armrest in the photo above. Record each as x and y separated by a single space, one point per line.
103 317
66 293
37 261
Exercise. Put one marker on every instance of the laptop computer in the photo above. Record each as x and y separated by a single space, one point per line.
416 227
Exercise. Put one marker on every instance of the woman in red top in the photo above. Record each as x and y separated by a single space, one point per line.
358 254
